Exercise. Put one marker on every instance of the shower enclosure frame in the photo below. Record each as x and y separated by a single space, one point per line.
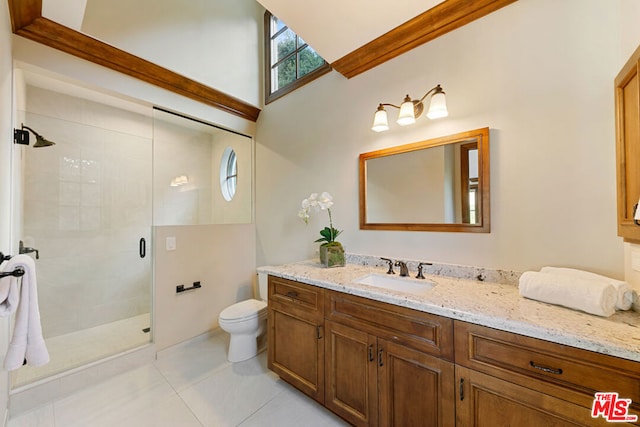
81 182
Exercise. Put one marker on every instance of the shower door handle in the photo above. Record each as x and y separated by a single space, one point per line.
142 247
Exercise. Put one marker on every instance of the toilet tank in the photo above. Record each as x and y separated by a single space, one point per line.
263 288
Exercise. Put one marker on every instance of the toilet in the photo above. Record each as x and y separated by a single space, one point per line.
245 322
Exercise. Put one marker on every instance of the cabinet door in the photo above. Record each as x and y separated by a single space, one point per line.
296 352
488 401
415 389
351 374
568 373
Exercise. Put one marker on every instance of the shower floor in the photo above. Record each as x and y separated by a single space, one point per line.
79 348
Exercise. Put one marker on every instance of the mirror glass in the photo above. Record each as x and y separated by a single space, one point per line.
202 174
440 184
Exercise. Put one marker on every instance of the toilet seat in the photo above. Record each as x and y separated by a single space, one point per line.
243 310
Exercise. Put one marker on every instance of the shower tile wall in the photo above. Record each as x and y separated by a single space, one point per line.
194 151
87 202
183 151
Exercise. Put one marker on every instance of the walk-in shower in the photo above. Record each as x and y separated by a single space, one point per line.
85 205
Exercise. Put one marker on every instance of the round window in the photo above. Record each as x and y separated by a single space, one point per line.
228 174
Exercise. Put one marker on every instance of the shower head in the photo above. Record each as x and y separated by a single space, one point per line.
40 140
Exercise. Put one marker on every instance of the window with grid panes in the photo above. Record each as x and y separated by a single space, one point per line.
290 61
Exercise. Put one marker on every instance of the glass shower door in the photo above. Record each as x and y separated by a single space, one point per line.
85 204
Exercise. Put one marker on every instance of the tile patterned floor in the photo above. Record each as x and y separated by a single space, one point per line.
191 384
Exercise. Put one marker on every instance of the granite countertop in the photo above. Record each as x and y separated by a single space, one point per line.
495 305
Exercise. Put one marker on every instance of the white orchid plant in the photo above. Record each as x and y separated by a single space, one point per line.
317 203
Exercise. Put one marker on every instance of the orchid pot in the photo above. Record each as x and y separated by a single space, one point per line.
331 252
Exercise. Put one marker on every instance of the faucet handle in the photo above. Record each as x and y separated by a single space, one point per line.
390 271
420 275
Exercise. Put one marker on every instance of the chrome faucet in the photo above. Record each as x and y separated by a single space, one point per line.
24 250
404 271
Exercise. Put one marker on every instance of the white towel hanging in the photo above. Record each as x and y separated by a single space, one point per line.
27 343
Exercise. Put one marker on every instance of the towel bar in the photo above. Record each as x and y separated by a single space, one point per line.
181 288
18 272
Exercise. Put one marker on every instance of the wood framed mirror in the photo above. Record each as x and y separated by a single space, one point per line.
440 184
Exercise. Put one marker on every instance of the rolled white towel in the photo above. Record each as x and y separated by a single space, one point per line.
591 296
625 293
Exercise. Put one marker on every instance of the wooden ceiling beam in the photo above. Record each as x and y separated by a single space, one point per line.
27 21
439 20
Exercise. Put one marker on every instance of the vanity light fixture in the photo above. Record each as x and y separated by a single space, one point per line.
410 109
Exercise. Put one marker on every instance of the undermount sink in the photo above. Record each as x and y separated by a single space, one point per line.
394 283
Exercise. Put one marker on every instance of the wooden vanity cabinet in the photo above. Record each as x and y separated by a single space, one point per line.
295 335
385 365
378 364
509 379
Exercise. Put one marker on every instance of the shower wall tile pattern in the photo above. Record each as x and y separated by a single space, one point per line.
87 202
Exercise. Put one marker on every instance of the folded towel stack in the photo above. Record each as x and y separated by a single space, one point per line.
592 296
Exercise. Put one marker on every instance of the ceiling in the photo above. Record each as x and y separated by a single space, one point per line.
69 13
335 28
354 36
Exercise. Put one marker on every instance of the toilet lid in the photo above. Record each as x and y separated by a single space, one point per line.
243 309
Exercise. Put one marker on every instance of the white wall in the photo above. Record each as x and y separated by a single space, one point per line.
539 73
181 148
42 59
220 257
238 210
185 148
213 42
6 139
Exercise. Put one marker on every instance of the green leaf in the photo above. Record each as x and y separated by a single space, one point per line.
328 235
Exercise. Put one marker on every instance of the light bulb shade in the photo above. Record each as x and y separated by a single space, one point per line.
438 106
406 115
380 122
